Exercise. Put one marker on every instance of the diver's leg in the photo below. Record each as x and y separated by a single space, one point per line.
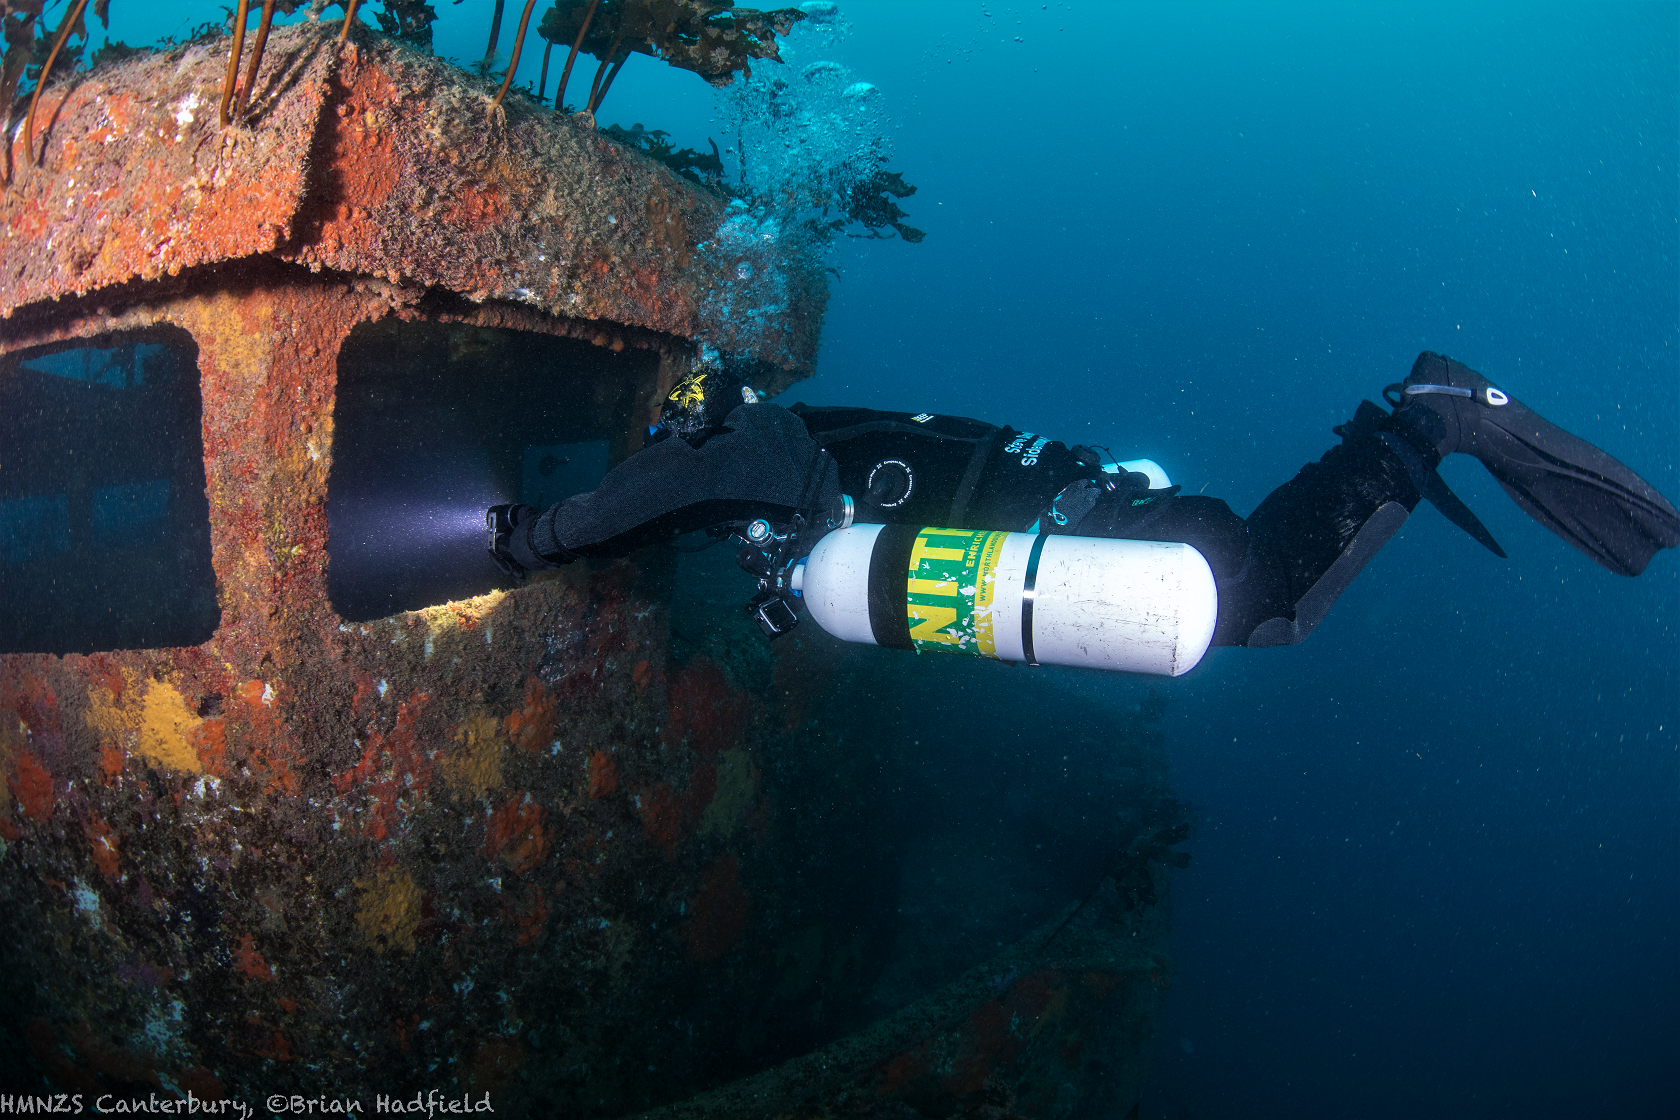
1252 584
1311 536
1571 487
1304 544
1279 571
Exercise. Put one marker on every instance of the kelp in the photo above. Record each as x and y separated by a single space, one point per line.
871 203
71 24
697 167
518 45
408 20
17 24
711 38
115 50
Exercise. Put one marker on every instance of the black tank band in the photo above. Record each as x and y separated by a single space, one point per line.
1029 588
889 566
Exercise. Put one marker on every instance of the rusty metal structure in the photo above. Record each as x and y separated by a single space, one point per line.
530 844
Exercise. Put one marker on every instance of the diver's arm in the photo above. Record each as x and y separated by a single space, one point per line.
755 466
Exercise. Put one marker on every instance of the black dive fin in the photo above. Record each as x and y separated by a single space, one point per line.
1432 486
1574 489
1453 508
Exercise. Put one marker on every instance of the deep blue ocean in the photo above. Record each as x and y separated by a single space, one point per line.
1437 866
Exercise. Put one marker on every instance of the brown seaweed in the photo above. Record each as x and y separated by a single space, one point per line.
712 38
72 23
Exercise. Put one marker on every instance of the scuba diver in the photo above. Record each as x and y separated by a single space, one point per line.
779 480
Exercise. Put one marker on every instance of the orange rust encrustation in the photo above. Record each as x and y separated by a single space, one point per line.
372 161
510 844
228 826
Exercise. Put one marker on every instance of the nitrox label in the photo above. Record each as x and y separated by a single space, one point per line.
949 589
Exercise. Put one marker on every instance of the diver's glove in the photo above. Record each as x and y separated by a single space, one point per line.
509 528
1571 487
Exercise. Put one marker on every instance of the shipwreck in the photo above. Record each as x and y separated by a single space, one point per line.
297 795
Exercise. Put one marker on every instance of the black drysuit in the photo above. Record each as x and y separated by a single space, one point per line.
1277 572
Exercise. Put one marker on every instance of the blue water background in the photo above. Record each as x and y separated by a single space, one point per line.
1437 866
1439 851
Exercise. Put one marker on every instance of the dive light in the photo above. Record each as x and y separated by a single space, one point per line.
498 525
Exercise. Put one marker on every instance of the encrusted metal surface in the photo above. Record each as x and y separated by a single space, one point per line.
374 160
530 844
536 844
492 832
134 180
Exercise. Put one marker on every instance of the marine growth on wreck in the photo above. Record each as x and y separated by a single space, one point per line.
299 795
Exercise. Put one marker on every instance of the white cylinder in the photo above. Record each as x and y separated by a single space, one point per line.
1131 606
834 581
1149 468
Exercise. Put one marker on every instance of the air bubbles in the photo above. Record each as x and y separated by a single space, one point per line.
822 13
805 136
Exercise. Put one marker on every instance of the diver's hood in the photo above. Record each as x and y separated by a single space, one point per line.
701 401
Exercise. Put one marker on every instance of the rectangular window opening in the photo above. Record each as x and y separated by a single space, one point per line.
104 523
433 423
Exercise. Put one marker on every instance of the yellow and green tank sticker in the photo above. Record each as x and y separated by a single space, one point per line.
948 589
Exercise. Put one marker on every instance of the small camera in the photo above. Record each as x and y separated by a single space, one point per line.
774 613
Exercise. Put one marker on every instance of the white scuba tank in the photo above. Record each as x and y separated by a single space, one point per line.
1133 606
